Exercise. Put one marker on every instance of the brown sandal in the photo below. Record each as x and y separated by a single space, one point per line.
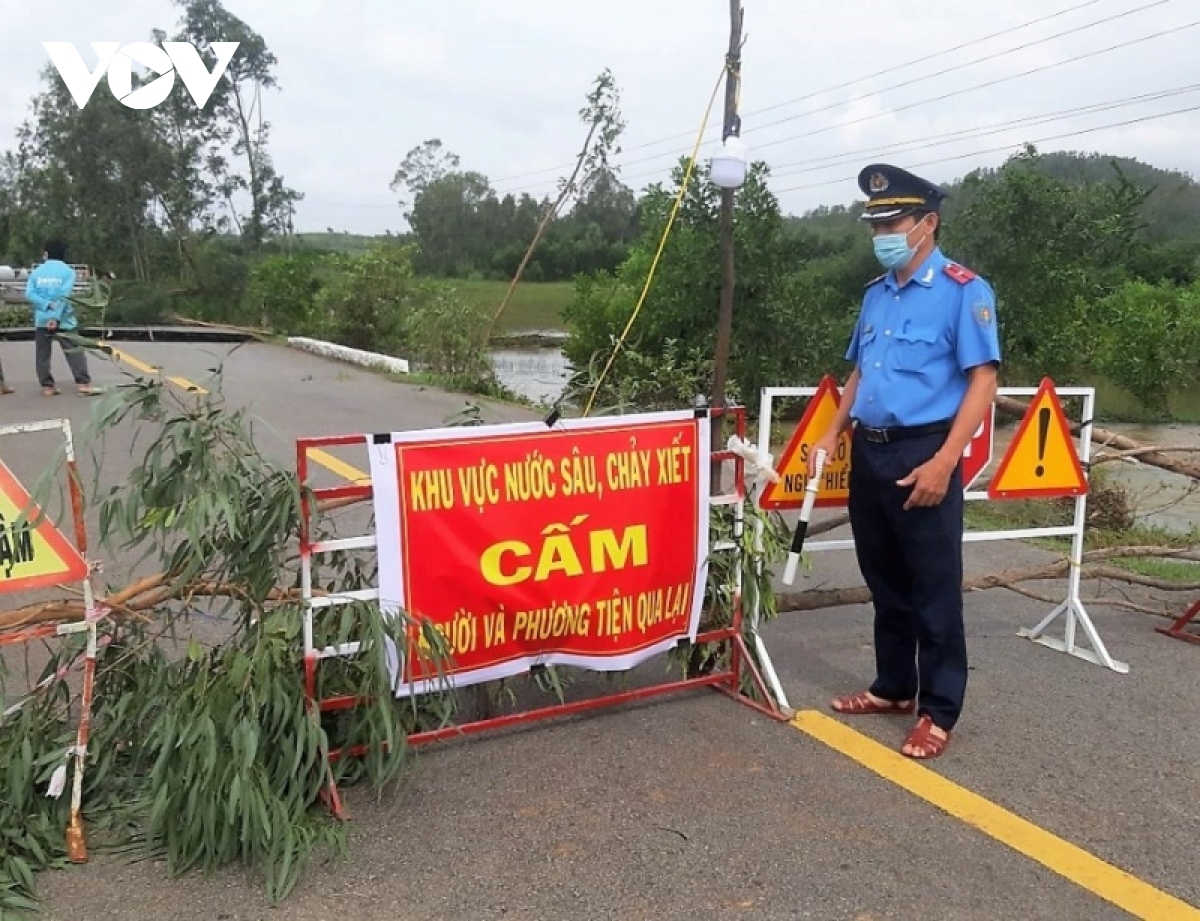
922 739
862 703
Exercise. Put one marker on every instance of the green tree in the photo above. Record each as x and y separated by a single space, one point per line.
1046 246
377 302
1147 338
446 221
447 335
233 118
776 332
366 302
91 175
426 163
281 293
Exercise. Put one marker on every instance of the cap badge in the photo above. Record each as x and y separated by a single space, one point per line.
879 182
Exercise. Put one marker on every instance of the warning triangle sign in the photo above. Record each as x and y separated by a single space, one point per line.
1041 460
793 465
33 552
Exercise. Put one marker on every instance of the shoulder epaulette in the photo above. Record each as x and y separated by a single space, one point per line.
959 273
875 281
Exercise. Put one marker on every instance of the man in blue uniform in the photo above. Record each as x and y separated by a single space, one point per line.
47 290
926 354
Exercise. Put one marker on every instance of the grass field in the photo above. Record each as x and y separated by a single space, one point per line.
535 306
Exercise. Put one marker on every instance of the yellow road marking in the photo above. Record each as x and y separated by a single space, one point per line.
186 384
133 362
140 365
324 458
1103 879
340 467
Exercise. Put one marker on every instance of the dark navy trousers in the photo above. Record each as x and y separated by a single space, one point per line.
912 563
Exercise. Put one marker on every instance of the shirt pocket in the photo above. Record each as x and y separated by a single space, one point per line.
914 349
867 344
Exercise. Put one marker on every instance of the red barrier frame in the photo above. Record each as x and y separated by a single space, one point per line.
76 842
1176 629
727 680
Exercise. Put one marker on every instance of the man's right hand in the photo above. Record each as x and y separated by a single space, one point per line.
52 325
828 444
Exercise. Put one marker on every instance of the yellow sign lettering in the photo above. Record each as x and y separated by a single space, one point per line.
511 562
491 563
606 549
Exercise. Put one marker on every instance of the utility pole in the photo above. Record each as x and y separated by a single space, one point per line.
732 126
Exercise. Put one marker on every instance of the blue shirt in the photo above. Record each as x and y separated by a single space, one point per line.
46 289
913 345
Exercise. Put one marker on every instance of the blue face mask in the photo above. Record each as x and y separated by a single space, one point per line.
892 250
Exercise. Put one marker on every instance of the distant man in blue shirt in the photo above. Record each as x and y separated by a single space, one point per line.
926 355
47 290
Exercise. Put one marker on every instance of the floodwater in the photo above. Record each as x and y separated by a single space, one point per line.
1161 499
540 374
1164 499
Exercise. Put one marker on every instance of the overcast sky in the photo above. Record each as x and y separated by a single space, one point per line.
501 83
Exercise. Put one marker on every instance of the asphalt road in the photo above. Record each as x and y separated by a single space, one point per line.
693 806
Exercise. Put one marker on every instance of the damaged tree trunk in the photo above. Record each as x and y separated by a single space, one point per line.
829 598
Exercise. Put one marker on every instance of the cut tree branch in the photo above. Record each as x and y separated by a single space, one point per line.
1088 602
830 598
1136 453
1137 578
134 601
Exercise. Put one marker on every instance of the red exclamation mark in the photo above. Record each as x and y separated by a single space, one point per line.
1043 431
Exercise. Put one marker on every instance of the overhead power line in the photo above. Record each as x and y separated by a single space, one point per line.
880 73
956 137
940 73
962 134
925 58
980 153
1102 107
944 96
979 86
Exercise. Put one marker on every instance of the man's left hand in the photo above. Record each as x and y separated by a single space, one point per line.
929 482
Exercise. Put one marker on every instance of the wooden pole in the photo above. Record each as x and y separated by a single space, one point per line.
725 310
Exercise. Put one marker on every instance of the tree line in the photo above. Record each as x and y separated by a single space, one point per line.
1094 258
1095 261
143 193
466 229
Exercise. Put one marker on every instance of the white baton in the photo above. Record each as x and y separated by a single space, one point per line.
810 497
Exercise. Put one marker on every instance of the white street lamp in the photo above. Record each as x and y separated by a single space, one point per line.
729 164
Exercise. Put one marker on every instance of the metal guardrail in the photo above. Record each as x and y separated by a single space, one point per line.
12 290
115 333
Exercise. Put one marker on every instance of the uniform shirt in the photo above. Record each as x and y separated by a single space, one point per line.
46 289
914 344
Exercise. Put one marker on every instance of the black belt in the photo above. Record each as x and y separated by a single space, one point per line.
898 432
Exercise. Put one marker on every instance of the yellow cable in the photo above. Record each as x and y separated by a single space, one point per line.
661 243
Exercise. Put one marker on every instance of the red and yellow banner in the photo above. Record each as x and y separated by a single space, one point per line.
584 544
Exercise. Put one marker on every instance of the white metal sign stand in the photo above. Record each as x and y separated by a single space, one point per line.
1072 608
